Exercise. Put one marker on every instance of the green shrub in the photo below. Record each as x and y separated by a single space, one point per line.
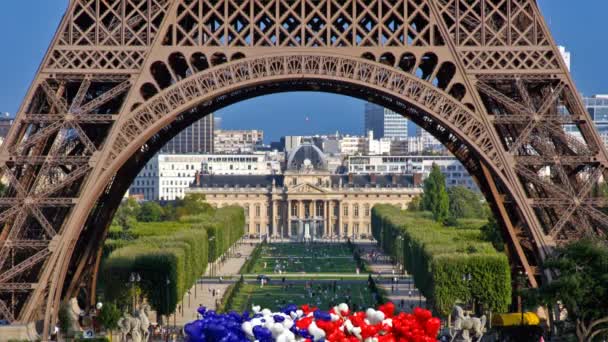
231 292
439 257
250 263
169 256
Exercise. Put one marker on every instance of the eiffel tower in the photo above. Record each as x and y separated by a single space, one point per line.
121 77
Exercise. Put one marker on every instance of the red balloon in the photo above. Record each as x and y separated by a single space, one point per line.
388 309
304 323
432 326
422 314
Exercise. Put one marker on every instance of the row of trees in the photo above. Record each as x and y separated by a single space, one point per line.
448 205
130 212
169 255
449 264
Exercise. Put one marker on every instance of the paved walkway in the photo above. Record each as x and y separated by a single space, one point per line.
202 293
382 269
402 289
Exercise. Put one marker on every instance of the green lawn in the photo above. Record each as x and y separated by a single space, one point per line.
275 296
296 260
301 258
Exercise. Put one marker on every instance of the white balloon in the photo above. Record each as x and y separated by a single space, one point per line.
316 332
247 328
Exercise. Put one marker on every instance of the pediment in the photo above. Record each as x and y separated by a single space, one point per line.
307 188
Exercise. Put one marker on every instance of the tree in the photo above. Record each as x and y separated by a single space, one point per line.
465 203
435 197
193 204
415 204
581 287
150 212
126 215
109 316
64 321
491 232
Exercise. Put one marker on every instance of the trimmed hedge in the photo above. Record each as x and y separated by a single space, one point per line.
175 251
253 257
439 256
228 297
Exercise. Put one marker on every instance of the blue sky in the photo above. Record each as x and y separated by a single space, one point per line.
28 26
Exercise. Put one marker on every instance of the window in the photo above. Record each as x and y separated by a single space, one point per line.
246 208
257 210
345 210
257 228
356 232
294 210
367 210
345 229
356 210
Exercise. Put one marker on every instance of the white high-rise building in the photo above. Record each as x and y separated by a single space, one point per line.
565 55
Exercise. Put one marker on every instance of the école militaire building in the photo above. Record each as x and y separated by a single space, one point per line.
308 201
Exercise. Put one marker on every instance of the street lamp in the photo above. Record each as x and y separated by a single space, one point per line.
521 279
400 250
467 279
134 279
213 263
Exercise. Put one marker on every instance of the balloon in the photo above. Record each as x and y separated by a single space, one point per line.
432 326
309 323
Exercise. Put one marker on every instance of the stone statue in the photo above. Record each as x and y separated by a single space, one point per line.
75 313
142 316
467 328
130 326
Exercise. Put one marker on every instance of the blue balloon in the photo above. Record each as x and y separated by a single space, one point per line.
322 315
289 309
278 318
262 334
201 310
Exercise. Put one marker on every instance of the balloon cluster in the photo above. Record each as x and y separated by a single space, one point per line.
310 324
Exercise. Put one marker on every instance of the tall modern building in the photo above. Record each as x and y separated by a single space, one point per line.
195 139
565 55
384 122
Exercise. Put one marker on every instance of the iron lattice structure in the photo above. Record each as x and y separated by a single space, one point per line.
123 76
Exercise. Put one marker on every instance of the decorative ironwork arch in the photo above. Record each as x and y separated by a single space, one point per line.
150 117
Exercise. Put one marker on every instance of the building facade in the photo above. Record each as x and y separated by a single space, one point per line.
385 123
195 139
167 176
242 164
237 141
455 173
352 144
308 202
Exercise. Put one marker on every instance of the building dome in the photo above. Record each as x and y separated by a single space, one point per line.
306 157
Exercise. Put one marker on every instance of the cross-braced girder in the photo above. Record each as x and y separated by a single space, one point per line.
123 76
